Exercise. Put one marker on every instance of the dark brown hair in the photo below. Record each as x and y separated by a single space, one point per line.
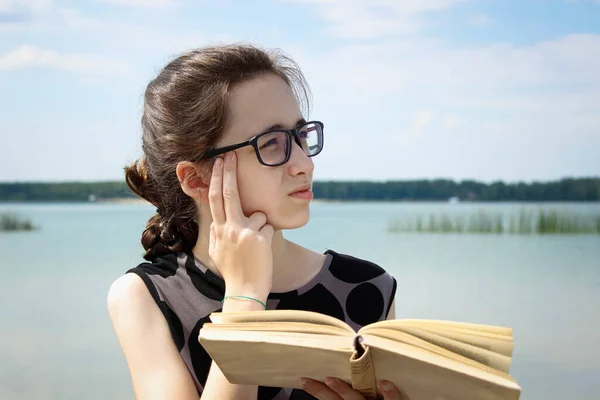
185 114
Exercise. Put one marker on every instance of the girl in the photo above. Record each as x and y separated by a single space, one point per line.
227 163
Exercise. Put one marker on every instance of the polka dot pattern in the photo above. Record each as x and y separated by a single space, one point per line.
267 392
318 299
356 291
210 288
174 325
299 394
365 304
200 359
353 270
163 267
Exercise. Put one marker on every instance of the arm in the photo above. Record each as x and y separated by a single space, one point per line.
156 367
217 386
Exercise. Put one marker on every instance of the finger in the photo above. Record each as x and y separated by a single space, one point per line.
390 392
257 220
319 390
212 240
343 389
215 197
231 197
267 231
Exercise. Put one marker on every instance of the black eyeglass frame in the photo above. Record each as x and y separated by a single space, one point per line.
293 135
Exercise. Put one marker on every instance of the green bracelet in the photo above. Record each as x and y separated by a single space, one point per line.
244 297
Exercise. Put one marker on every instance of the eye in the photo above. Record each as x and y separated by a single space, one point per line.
271 142
303 133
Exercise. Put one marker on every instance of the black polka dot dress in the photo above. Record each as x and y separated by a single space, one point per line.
356 291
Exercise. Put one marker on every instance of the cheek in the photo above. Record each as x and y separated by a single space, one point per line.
258 190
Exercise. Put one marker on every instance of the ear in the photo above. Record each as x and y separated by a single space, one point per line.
193 181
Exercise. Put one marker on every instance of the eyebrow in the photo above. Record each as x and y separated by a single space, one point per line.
279 126
301 121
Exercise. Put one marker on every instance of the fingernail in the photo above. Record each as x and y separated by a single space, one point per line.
303 382
218 162
229 156
385 386
331 381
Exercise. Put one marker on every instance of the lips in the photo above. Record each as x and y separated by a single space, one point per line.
302 188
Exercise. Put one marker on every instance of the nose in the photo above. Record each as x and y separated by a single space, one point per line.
299 162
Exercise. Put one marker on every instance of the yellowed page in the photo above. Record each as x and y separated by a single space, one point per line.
280 316
297 327
503 345
424 375
398 336
495 331
486 357
277 359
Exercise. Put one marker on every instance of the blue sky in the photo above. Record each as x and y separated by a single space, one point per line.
407 89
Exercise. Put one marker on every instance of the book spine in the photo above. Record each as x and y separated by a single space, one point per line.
362 370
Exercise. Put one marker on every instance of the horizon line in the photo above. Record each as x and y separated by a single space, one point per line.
583 177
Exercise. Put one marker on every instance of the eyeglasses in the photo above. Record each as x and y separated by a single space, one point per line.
273 148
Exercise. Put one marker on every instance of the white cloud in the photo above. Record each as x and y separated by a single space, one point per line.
25 5
429 68
421 122
479 20
415 91
423 119
503 98
450 121
374 18
44 15
142 3
71 19
27 56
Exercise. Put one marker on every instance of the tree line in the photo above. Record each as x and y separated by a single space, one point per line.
567 189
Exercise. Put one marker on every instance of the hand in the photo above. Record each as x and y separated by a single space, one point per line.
336 389
240 246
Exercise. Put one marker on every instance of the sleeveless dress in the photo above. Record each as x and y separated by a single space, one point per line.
356 291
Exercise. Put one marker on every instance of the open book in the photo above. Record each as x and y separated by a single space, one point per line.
425 359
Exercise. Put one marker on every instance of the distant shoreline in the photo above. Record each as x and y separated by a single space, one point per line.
438 190
118 200
133 201
121 200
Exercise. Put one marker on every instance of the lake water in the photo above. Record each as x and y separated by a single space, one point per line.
56 340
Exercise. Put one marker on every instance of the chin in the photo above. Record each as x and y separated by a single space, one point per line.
295 221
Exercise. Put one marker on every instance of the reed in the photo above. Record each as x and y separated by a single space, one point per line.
10 223
525 222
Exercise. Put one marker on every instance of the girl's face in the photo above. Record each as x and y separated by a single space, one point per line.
257 105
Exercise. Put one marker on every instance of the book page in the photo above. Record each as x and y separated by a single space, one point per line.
482 356
277 359
493 330
498 343
279 316
406 338
290 327
501 345
425 375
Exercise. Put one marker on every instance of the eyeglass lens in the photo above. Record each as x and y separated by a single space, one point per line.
273 147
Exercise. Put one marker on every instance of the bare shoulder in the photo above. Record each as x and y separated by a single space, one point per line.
126 285
128 291
156 367
130 306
